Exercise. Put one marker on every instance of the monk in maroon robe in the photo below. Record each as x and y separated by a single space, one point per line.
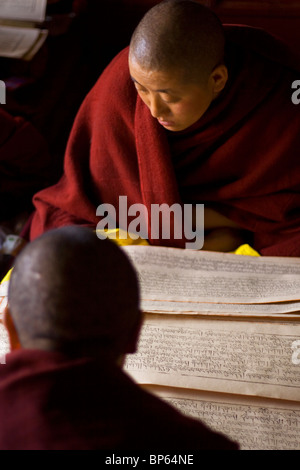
191 113
62 387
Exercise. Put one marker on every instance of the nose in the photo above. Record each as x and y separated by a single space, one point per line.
157 108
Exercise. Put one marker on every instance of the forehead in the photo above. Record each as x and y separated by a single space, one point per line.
157 80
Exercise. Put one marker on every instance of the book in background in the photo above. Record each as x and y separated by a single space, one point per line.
21 32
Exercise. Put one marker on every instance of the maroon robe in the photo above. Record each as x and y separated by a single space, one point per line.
51 402
241 157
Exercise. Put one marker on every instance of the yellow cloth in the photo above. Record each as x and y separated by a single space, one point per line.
6 277
246 250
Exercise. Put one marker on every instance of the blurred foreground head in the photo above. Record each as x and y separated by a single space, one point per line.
72 292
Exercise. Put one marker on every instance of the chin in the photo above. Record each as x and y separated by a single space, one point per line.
173 127
177 128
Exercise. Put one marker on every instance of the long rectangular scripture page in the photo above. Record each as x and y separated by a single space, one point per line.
237 357
23 10
275 311
175 275
255 423
16 42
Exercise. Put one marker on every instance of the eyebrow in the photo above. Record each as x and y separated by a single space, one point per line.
163 90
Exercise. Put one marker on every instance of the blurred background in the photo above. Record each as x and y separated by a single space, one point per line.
83 36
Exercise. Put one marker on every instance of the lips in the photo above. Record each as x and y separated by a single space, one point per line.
166 123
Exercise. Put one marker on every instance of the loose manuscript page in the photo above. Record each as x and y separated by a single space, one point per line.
239 357
281 310
172 274
18 36
16 42
23 10
255 423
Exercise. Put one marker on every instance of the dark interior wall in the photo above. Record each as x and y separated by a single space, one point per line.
112 21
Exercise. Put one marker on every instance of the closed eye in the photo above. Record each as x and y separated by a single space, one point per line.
166 100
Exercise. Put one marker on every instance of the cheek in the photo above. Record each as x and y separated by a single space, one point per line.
187 110
194 109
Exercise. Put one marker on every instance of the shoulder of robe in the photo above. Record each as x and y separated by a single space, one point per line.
111 100
115 84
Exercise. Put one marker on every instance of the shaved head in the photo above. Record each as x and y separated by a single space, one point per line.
179 35
71 291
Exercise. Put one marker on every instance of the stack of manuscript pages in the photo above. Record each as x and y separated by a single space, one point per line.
19 36
221 341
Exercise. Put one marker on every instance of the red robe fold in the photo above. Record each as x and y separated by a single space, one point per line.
49 401
241 157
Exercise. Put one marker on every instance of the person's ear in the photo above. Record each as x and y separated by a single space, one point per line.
218 78
10 326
